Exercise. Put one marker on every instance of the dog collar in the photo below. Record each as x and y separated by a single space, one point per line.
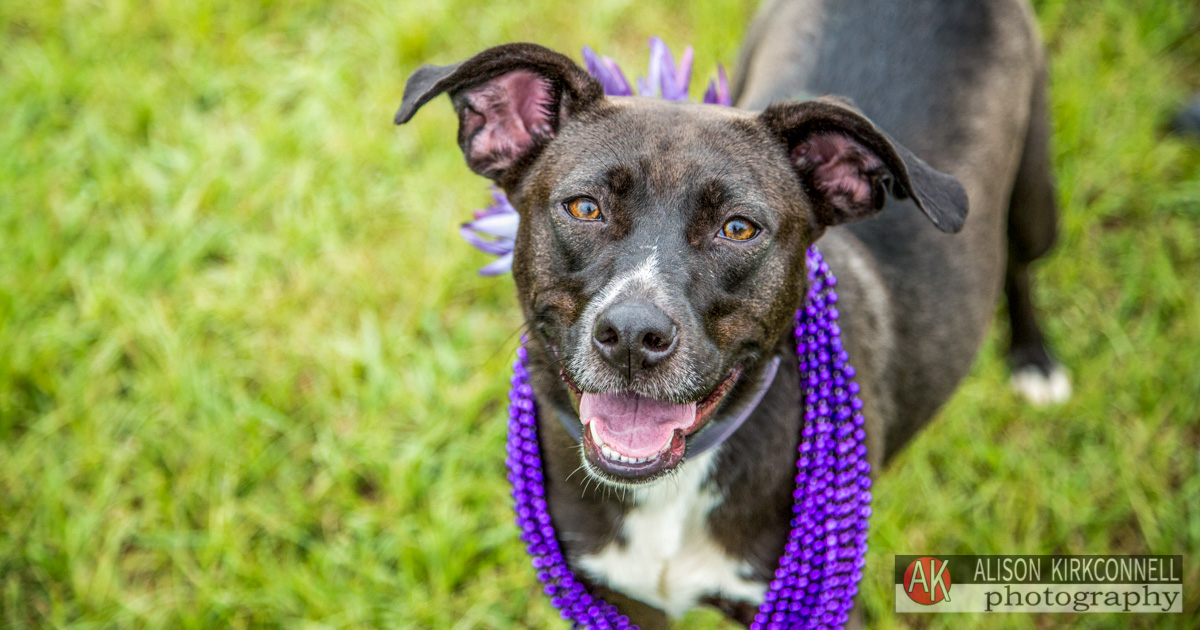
711 435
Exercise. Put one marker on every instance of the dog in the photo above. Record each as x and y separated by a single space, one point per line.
661 255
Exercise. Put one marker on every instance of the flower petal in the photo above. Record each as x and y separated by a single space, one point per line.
607 72
500 205
502 265
718 91
501 200
491 210
675 85
661 64
591 61
495 247
501 224
620 83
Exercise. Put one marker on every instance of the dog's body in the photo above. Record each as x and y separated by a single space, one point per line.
960 84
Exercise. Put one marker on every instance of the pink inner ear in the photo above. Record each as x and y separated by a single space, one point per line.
840 168
507 115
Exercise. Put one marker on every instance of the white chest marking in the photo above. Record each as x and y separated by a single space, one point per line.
669 560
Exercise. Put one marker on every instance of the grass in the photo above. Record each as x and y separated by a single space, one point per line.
249 377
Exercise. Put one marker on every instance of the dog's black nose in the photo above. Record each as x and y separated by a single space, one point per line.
634 335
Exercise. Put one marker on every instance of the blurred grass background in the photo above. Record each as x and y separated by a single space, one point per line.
249 378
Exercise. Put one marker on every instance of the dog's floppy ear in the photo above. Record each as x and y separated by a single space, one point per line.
848 166
510 101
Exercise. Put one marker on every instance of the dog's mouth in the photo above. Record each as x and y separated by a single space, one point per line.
630 438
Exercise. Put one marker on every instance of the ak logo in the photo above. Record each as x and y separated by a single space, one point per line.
927 581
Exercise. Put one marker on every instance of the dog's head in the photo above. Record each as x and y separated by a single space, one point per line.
661 248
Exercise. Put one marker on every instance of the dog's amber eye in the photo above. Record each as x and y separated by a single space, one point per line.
739 229
583 208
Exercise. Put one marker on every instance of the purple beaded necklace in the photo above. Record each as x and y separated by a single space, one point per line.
818 574
821 565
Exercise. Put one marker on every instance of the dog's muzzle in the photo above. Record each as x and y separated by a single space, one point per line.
630 438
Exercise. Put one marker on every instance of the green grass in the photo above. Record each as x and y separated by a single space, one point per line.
248 376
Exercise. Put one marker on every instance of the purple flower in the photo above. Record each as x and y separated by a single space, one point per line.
494 230
666 80
718 90
607 72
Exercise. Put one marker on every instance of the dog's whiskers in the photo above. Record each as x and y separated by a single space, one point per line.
573 472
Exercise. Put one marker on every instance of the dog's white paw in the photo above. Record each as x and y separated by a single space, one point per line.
1039 389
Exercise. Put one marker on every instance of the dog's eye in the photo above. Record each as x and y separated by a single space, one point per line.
583 208
738 229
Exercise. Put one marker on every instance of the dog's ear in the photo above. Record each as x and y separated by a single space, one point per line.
848 166
510 100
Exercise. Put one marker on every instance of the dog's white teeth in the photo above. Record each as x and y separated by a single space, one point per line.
611 454
608 453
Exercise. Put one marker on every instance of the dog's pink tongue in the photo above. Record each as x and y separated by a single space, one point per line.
633 425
